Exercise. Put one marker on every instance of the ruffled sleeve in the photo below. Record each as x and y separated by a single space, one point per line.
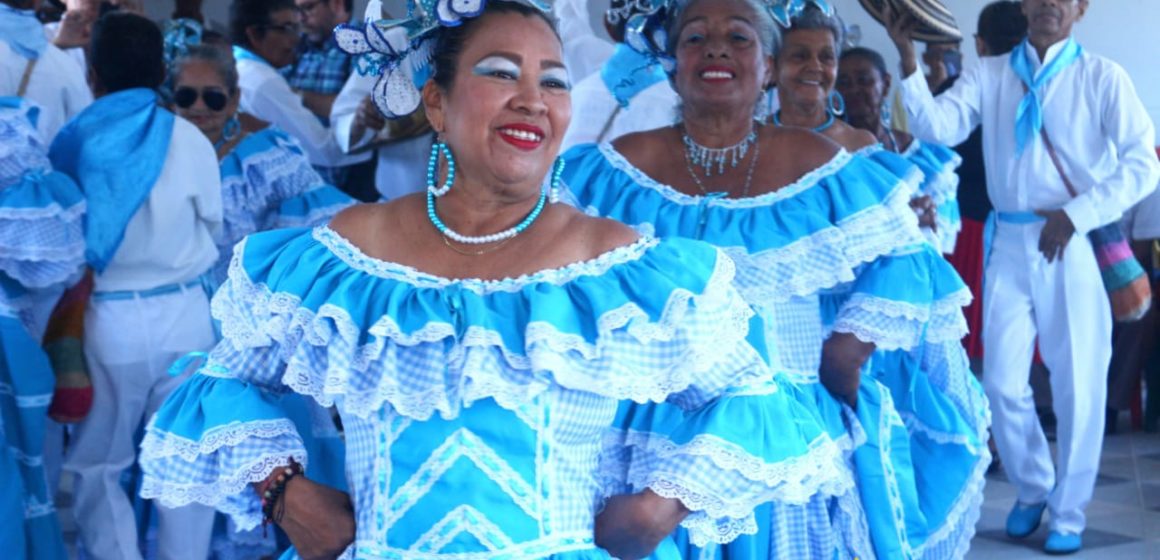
900 300
754 444
230 424
41 232
267 183
41 211
806 236
940 182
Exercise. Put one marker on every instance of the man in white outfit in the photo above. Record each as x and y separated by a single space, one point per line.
154 200
265 34
1042 279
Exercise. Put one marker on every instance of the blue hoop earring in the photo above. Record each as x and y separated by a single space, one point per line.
230 131
837 104
887 117
557 178
433 167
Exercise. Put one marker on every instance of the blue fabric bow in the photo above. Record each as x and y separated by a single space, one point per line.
22 31
629 72
1029 115
785 10
114 150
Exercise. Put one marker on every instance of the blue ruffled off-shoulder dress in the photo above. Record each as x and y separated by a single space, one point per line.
840 250
475 411
939 181
41 247
268 183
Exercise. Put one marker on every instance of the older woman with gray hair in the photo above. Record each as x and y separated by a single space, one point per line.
267 181
862 315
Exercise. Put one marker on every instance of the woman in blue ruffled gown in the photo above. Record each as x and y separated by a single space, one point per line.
810 54
267 181
829 250
41 247
864 83
477 368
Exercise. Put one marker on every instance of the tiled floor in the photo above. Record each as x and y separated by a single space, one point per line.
1123 518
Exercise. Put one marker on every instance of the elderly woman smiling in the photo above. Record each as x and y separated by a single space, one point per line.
830 254
477 341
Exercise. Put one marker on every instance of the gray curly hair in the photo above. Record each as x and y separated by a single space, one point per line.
767 29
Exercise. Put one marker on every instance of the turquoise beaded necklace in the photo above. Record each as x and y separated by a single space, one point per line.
820 128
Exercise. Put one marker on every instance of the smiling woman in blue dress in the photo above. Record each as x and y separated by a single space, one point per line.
477 341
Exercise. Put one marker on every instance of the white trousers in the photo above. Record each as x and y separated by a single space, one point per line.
1065 305
129 346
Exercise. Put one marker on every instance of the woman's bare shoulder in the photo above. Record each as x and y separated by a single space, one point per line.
368 225
594 236
643 147
806 149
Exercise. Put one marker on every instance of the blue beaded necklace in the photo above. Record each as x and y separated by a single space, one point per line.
821 128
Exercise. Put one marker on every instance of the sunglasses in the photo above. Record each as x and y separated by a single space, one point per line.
215 99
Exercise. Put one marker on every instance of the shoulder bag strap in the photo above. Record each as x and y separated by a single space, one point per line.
1055 157
26 77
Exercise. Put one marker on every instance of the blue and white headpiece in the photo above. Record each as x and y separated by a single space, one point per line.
400 50
646 31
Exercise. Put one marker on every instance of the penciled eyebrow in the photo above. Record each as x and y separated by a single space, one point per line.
517 60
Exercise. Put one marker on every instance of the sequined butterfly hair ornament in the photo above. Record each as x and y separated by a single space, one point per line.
647 31
400 50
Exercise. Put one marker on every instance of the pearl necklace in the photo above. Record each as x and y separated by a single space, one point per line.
820 128
484 239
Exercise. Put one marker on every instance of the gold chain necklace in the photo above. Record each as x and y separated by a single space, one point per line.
480 252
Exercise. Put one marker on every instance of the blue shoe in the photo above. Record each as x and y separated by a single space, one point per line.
1024 520
1063 543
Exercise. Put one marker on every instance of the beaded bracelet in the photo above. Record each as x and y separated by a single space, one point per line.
274 489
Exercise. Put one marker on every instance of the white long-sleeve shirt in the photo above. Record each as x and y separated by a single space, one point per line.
267 95
170 238
57 86
1091 113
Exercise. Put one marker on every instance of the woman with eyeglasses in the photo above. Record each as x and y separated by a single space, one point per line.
267 182
265 35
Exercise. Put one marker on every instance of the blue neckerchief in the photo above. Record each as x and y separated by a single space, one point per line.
628 72
114 150
22 31
1029 116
